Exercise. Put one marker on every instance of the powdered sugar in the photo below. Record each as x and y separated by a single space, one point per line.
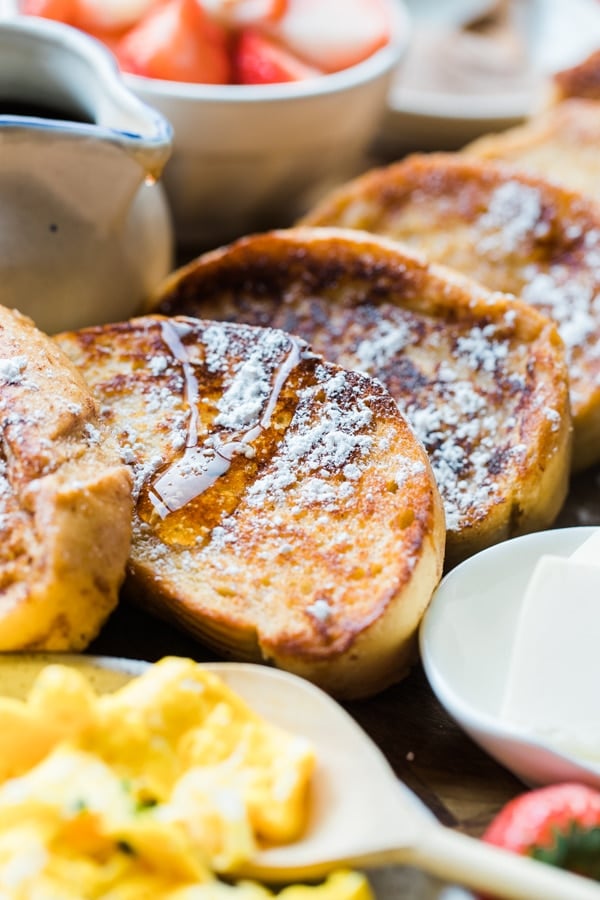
320 609
407 472
242 402
480 351
158 364
565 285
216 342
5 487
387 340
143 470
93 434
553 417
567 299
133 451
319 490
321 441
452 406
462 439
11 369
159 398
514 211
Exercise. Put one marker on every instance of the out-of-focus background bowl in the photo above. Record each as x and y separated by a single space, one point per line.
251 157
480 66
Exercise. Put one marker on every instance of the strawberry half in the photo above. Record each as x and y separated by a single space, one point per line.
178 42
111 15
242 13
333 34
260 60
61 10
559 824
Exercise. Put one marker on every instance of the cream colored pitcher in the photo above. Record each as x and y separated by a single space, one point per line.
85 231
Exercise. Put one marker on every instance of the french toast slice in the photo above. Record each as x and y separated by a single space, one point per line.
560 143
510 230
65 498
481 377
284 510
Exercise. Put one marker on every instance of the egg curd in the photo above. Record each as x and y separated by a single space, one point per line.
159 790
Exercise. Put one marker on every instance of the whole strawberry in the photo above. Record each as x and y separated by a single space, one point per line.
559 824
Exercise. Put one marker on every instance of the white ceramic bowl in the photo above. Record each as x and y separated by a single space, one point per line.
449 12
251 157
466 638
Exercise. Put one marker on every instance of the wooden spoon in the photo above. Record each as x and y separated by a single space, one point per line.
361 814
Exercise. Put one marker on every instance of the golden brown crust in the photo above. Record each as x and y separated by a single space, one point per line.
511 231
560 143
65 499
581 80
285 511
481 376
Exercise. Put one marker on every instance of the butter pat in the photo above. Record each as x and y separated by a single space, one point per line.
553 685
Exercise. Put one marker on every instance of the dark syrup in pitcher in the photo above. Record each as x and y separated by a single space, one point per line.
25 108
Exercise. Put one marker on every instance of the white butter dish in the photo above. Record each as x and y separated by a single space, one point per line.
468 643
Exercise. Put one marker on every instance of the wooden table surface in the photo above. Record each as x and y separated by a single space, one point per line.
461 784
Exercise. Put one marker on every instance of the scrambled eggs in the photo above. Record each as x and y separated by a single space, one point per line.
155 791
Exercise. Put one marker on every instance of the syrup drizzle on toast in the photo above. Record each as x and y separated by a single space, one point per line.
183 481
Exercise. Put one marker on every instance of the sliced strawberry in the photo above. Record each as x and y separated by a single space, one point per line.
333 34
242 13
177 41
260 60
111 15
558 824
61 10
110 39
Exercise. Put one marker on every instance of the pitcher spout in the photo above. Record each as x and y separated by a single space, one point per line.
50 71
140 130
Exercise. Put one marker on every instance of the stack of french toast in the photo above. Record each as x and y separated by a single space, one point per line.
306 425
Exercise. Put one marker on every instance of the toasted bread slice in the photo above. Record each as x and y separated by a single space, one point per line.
65 499
560 143
480 376
511 231
285 511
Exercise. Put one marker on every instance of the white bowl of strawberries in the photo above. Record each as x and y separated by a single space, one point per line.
272 101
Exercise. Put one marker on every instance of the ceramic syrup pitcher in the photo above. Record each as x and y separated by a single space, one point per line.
85 231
